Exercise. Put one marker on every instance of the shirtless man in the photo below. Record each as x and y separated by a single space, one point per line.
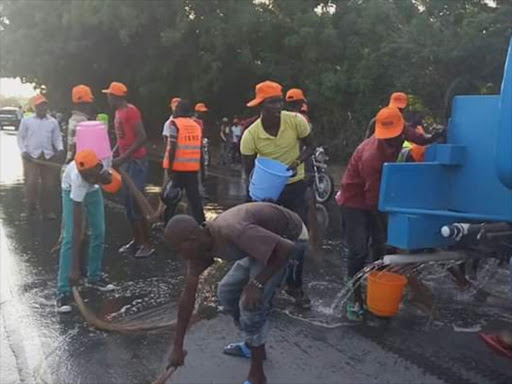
261 238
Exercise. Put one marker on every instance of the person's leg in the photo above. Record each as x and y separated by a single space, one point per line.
48 176
231 286
193 196
139 176
255 325
379 234
177 183
355 235
96 224
66 248
293 197
31 184
134 243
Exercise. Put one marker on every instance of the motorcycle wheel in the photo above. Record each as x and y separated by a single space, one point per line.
324 187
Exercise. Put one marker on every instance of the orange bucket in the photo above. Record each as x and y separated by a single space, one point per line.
384 293
115 185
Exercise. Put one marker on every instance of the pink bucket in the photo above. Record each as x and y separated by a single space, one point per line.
93 135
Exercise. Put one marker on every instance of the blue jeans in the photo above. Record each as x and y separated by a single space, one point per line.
254 324
95 217
137 169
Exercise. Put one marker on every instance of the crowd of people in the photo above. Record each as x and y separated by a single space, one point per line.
267 241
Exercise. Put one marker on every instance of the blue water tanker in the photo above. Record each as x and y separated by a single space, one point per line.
468 179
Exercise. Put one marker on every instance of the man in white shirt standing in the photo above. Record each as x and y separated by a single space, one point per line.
39 140
81 195
166 130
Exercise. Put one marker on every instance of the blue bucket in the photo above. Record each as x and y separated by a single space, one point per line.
268 179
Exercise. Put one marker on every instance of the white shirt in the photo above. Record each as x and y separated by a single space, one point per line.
236 132
74 182
38 136
166 131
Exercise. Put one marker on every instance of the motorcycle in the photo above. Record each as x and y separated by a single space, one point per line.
323 182
206 152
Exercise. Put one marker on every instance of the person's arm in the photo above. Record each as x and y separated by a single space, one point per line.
185 310
419 138
140 132
74 277
306 141
253 291
173 143
372 176
308 148
21 137
222 136
248 152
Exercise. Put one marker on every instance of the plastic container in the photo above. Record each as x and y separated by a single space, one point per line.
384 293
268 180
93 135
116 183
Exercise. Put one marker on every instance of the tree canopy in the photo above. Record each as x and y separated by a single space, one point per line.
347 55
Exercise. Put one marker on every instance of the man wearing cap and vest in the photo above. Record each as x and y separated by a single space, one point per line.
166 129
411 134
82 98
280 135
131 139
183 161
81 195
39 140
359 195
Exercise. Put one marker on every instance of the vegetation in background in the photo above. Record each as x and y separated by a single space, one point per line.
348 55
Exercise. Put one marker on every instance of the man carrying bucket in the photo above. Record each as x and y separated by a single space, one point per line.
166 128
359 195
82 98
259 238
81 196
131 137
280 135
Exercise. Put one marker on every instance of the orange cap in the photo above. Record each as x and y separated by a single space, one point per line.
39 99
115 185
200 107
389 124
264 91
398 100
86 159
174 102
295 94
82 94
116 89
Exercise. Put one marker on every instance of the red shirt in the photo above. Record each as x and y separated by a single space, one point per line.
124 122
360 184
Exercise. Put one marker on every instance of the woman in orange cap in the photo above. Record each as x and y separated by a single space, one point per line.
359 195
81 195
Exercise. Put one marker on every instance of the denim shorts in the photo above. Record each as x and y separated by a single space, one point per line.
137 169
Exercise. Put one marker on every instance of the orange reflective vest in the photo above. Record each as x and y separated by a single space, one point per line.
188 146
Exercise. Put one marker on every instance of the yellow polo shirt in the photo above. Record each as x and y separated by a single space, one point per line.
284 148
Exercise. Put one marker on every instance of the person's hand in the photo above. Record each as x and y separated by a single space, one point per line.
252 297
293 166
74 277
117 162
177 358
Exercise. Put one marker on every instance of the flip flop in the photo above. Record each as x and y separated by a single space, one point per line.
497 345
238 350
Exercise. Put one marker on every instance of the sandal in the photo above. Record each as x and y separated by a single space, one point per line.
239 350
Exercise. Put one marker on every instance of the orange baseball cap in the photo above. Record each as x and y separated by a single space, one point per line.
201 107
398 100
295 94
82 94
86 159
116 89
264 91
174 102
389 124
39 99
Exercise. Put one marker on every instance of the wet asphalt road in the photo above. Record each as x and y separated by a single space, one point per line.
317 346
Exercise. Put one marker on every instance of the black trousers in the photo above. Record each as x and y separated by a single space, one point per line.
190 183
364 235
293 197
